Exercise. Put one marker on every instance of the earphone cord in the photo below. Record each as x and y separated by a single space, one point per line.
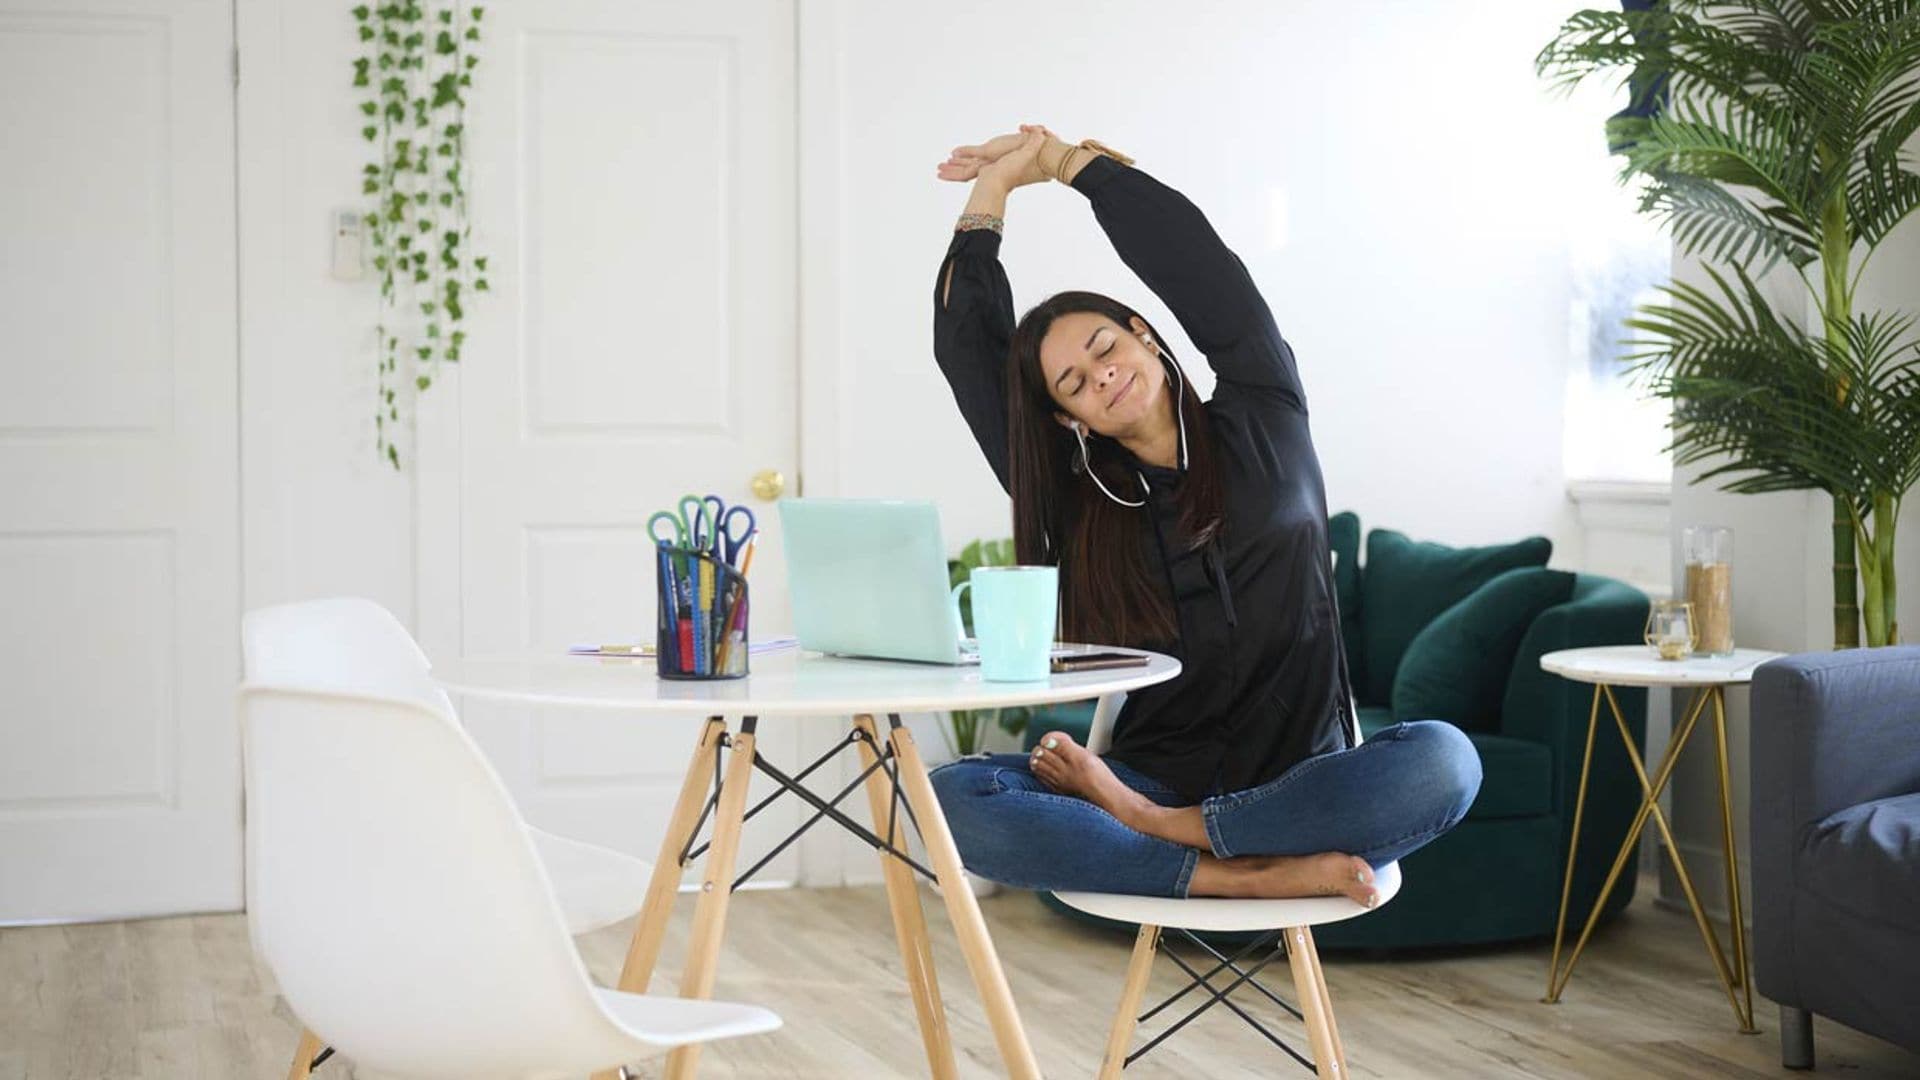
1179 410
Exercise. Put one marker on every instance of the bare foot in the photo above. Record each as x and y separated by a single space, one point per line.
1072 769
1279 877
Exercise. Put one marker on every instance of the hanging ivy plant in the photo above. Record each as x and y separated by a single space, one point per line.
416 69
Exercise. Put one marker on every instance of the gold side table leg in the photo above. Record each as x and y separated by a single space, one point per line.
1573 847
1650 804
1707 935
1742 975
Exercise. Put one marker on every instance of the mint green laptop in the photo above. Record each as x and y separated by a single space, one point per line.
869 578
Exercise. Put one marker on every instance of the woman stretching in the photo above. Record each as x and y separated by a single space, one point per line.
1197 528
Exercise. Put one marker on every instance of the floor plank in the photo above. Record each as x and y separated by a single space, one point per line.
176 998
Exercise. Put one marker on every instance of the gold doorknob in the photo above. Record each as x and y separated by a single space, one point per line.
768 484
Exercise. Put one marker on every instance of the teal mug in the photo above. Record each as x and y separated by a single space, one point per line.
1014 609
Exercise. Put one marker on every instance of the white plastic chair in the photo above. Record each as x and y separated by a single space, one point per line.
1278 922
355 646
405 913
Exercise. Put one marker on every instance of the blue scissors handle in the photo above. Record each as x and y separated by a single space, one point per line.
732 540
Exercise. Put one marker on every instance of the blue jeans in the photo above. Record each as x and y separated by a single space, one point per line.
1388 796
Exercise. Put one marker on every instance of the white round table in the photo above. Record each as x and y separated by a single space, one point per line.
1636 665
796 683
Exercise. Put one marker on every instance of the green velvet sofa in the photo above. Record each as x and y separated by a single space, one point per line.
1497 876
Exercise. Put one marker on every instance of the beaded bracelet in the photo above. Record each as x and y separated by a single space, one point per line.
979 221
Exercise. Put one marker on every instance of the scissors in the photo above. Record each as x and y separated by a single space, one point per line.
725 540
689 525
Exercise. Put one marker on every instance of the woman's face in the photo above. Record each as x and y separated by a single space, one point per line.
1102 374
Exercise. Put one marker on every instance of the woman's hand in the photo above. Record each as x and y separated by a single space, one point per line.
1006 161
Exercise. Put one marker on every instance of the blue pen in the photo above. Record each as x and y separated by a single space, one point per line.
700 628
668 647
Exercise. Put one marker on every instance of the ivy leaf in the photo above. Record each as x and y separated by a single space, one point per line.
420 197
433 330
480 264
419 277
459 338
426 226
480 285
445 91
360 13
392 454
425 352
454 310
369 187
428 307
443 43
405 241
422 382
370 170
472 34
446 199
369 132
379 262
446 16
472 62
366 33
478 12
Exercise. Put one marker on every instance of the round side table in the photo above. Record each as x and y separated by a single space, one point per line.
1635 665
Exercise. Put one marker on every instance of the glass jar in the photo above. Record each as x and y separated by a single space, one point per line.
1708 551
1670 629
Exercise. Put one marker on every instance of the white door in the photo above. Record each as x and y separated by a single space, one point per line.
634 195
119 550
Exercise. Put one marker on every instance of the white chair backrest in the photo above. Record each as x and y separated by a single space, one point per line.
402 906
347 644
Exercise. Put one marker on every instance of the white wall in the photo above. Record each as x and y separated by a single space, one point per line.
321 515
1422 280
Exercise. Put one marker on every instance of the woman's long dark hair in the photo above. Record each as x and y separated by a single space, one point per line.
1113 589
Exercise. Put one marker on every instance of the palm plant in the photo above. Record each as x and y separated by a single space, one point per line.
1779 137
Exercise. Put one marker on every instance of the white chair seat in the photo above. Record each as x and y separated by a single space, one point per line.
672 1021
595 886
1220 913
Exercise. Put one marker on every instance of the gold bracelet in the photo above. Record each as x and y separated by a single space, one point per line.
1040 159
1065 159
1099 147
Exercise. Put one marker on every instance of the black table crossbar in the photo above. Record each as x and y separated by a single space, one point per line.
818 815
694 853
839 818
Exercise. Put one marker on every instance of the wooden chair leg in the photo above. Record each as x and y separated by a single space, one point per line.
303 1055
1326 1004
1313 1002
1138 969
909 921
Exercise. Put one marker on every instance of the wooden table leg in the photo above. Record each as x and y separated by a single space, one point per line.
909 922
644 950
1139 967
964 910
716 887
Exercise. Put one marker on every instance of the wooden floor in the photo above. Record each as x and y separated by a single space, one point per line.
184 998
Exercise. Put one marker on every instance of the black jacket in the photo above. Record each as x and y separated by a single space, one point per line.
1264 679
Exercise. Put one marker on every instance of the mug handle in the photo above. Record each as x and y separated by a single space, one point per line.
959 624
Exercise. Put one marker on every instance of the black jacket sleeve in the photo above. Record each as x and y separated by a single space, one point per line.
972 331
1168 242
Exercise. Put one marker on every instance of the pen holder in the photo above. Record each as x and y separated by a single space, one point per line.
700 629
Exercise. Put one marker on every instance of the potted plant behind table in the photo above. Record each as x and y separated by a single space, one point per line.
1766 134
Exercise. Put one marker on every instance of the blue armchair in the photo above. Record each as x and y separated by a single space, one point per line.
1836 843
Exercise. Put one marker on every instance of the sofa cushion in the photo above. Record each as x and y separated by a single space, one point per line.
1516 775
1455 669
1407 583
1343 536
1866 859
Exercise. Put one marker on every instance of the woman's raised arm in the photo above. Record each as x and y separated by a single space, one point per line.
973 323
1169 243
